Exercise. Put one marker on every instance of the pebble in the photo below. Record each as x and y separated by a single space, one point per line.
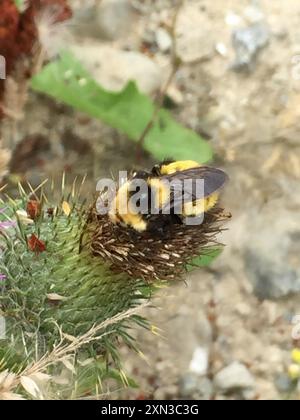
205 388
283 383
188 384
234 376
221 49
163 40
191 385
247 42
199 362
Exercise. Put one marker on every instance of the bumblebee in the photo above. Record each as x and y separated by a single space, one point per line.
154 201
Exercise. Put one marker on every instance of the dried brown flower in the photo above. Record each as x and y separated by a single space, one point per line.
148 257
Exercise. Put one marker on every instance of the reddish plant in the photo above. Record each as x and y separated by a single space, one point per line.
18 31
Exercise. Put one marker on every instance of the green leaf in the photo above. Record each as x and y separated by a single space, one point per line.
19 4
205 259
129 111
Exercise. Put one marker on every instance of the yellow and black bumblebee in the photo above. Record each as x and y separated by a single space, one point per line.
170 197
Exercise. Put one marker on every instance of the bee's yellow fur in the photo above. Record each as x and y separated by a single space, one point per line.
121 211
179 165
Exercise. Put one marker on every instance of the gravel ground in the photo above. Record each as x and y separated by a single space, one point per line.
227 332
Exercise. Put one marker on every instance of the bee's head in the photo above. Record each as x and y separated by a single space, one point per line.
140 175
157 169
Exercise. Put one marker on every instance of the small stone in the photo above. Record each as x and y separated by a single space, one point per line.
234 376
243 309
205 388
247 43
175 95
283 383
221 49
188 384
232 19
199 362
163 40
253 14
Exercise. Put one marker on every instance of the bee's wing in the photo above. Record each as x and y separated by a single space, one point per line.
183 184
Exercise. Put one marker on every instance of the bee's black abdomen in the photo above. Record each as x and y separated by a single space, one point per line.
160 225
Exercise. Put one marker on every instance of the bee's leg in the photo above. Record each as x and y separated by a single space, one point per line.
132 233
162 225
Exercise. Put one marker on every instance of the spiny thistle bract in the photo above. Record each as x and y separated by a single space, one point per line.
65 300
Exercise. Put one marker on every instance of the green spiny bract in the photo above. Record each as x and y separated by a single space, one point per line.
60 291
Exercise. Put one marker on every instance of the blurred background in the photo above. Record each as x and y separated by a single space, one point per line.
229 71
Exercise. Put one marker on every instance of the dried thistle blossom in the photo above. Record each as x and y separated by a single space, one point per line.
153 258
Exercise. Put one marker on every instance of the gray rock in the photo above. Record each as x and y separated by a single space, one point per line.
234 377
114 18
247 42
271 278
283 383
205 389
191 385
113 68
188 384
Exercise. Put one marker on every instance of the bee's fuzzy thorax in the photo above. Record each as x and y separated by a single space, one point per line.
149 256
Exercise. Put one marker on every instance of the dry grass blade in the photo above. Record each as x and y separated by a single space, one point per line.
62 352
